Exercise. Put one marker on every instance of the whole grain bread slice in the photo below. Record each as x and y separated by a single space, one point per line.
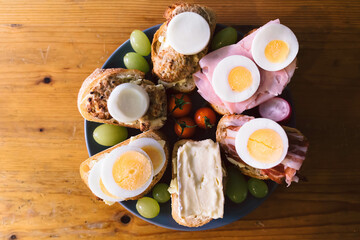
93 94
170 66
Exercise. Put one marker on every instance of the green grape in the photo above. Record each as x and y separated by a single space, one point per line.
257 188
236 187
160 192
148 207
109 135
225 37
134 60
140 42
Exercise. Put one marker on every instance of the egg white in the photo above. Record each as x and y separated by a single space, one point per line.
267 34
142 142
188 33
108 179
242 138
94 183
128 102
220 78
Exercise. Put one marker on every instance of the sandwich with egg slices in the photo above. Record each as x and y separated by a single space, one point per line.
180 43
196 187
261 148
123 97
128 170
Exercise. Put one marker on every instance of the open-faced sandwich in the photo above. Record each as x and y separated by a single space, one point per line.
243 75
123 97
180 43
197 184
128 170
261 148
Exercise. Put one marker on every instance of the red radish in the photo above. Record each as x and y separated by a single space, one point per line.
277 109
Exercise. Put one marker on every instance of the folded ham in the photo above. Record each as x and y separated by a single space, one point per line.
271 83
298 145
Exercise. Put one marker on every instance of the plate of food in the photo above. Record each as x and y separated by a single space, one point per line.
191 126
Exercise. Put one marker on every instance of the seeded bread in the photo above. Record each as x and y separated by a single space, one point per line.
172 68
96 89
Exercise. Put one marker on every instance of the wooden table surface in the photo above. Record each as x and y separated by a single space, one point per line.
47 48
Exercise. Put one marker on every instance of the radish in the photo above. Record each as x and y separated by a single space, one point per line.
277 109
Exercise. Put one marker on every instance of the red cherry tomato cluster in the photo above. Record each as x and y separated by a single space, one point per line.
179 106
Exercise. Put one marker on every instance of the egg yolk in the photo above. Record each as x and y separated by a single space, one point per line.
154 155
240 79
265 145
105 191
131 170
276 51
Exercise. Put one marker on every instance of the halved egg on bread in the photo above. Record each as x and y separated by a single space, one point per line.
127 172
261 143
274 47
236 78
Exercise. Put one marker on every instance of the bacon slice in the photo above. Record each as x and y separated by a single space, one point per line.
298 145
271 83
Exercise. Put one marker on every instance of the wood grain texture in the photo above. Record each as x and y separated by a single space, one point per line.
47 48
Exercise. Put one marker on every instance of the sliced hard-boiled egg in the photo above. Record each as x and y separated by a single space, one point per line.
274 47
96 185
236 78
128 102
188 33
261 143
154 150
127 172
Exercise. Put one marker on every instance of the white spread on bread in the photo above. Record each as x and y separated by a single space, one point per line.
188 33
199 180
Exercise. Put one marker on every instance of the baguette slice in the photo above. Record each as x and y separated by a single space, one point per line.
174 69
86 166
187 221
96 89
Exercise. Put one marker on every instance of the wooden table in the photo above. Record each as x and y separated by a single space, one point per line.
49 47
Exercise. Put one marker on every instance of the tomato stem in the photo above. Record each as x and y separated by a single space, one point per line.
179 103
183 125
208 122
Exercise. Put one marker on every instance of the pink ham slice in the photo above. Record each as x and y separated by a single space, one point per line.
271 83
298 145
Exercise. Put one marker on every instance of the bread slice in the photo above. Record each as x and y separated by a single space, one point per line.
96 89
170 66
86 166
243 167
186 221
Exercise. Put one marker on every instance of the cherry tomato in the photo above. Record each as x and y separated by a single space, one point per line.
205 117
179 105
185 127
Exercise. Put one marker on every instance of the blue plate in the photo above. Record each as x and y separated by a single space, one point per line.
232 211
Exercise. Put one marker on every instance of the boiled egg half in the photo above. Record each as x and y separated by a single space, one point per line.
128 102
188 33
125 172
236 78
274 47
261 143
154 149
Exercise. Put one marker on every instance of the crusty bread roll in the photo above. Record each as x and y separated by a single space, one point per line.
96 89
174 69
86 166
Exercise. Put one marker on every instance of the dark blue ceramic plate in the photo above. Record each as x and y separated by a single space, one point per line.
232 211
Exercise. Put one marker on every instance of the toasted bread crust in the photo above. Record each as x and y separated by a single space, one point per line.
171 66
101 75
187 221
86 166
244 168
